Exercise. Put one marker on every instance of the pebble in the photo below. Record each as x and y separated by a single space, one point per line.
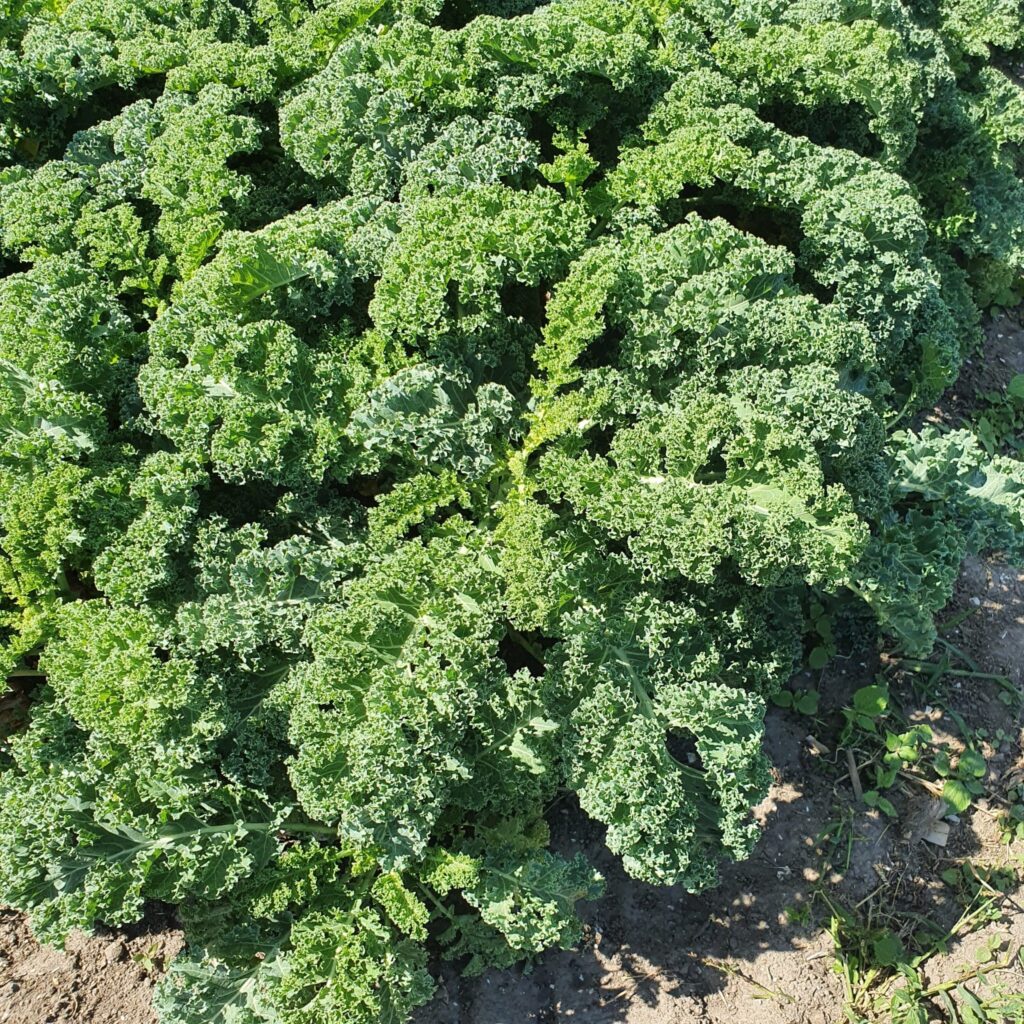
114 952
976 601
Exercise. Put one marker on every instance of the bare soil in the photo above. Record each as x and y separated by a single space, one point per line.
754 949
101 979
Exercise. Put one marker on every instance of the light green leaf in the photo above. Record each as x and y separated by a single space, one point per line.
871 700
971 763
888 950
955 793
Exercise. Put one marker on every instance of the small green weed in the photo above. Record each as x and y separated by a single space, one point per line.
1000 425
895 749
1011 821
798 914
880 958
882 951
803 701
150 959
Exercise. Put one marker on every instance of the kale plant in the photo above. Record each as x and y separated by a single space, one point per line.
412 411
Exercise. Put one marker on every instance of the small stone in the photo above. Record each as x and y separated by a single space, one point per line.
976 601
114 952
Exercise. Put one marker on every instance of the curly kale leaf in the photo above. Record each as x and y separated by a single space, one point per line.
413 410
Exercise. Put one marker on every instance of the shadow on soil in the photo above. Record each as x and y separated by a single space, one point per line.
753 949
